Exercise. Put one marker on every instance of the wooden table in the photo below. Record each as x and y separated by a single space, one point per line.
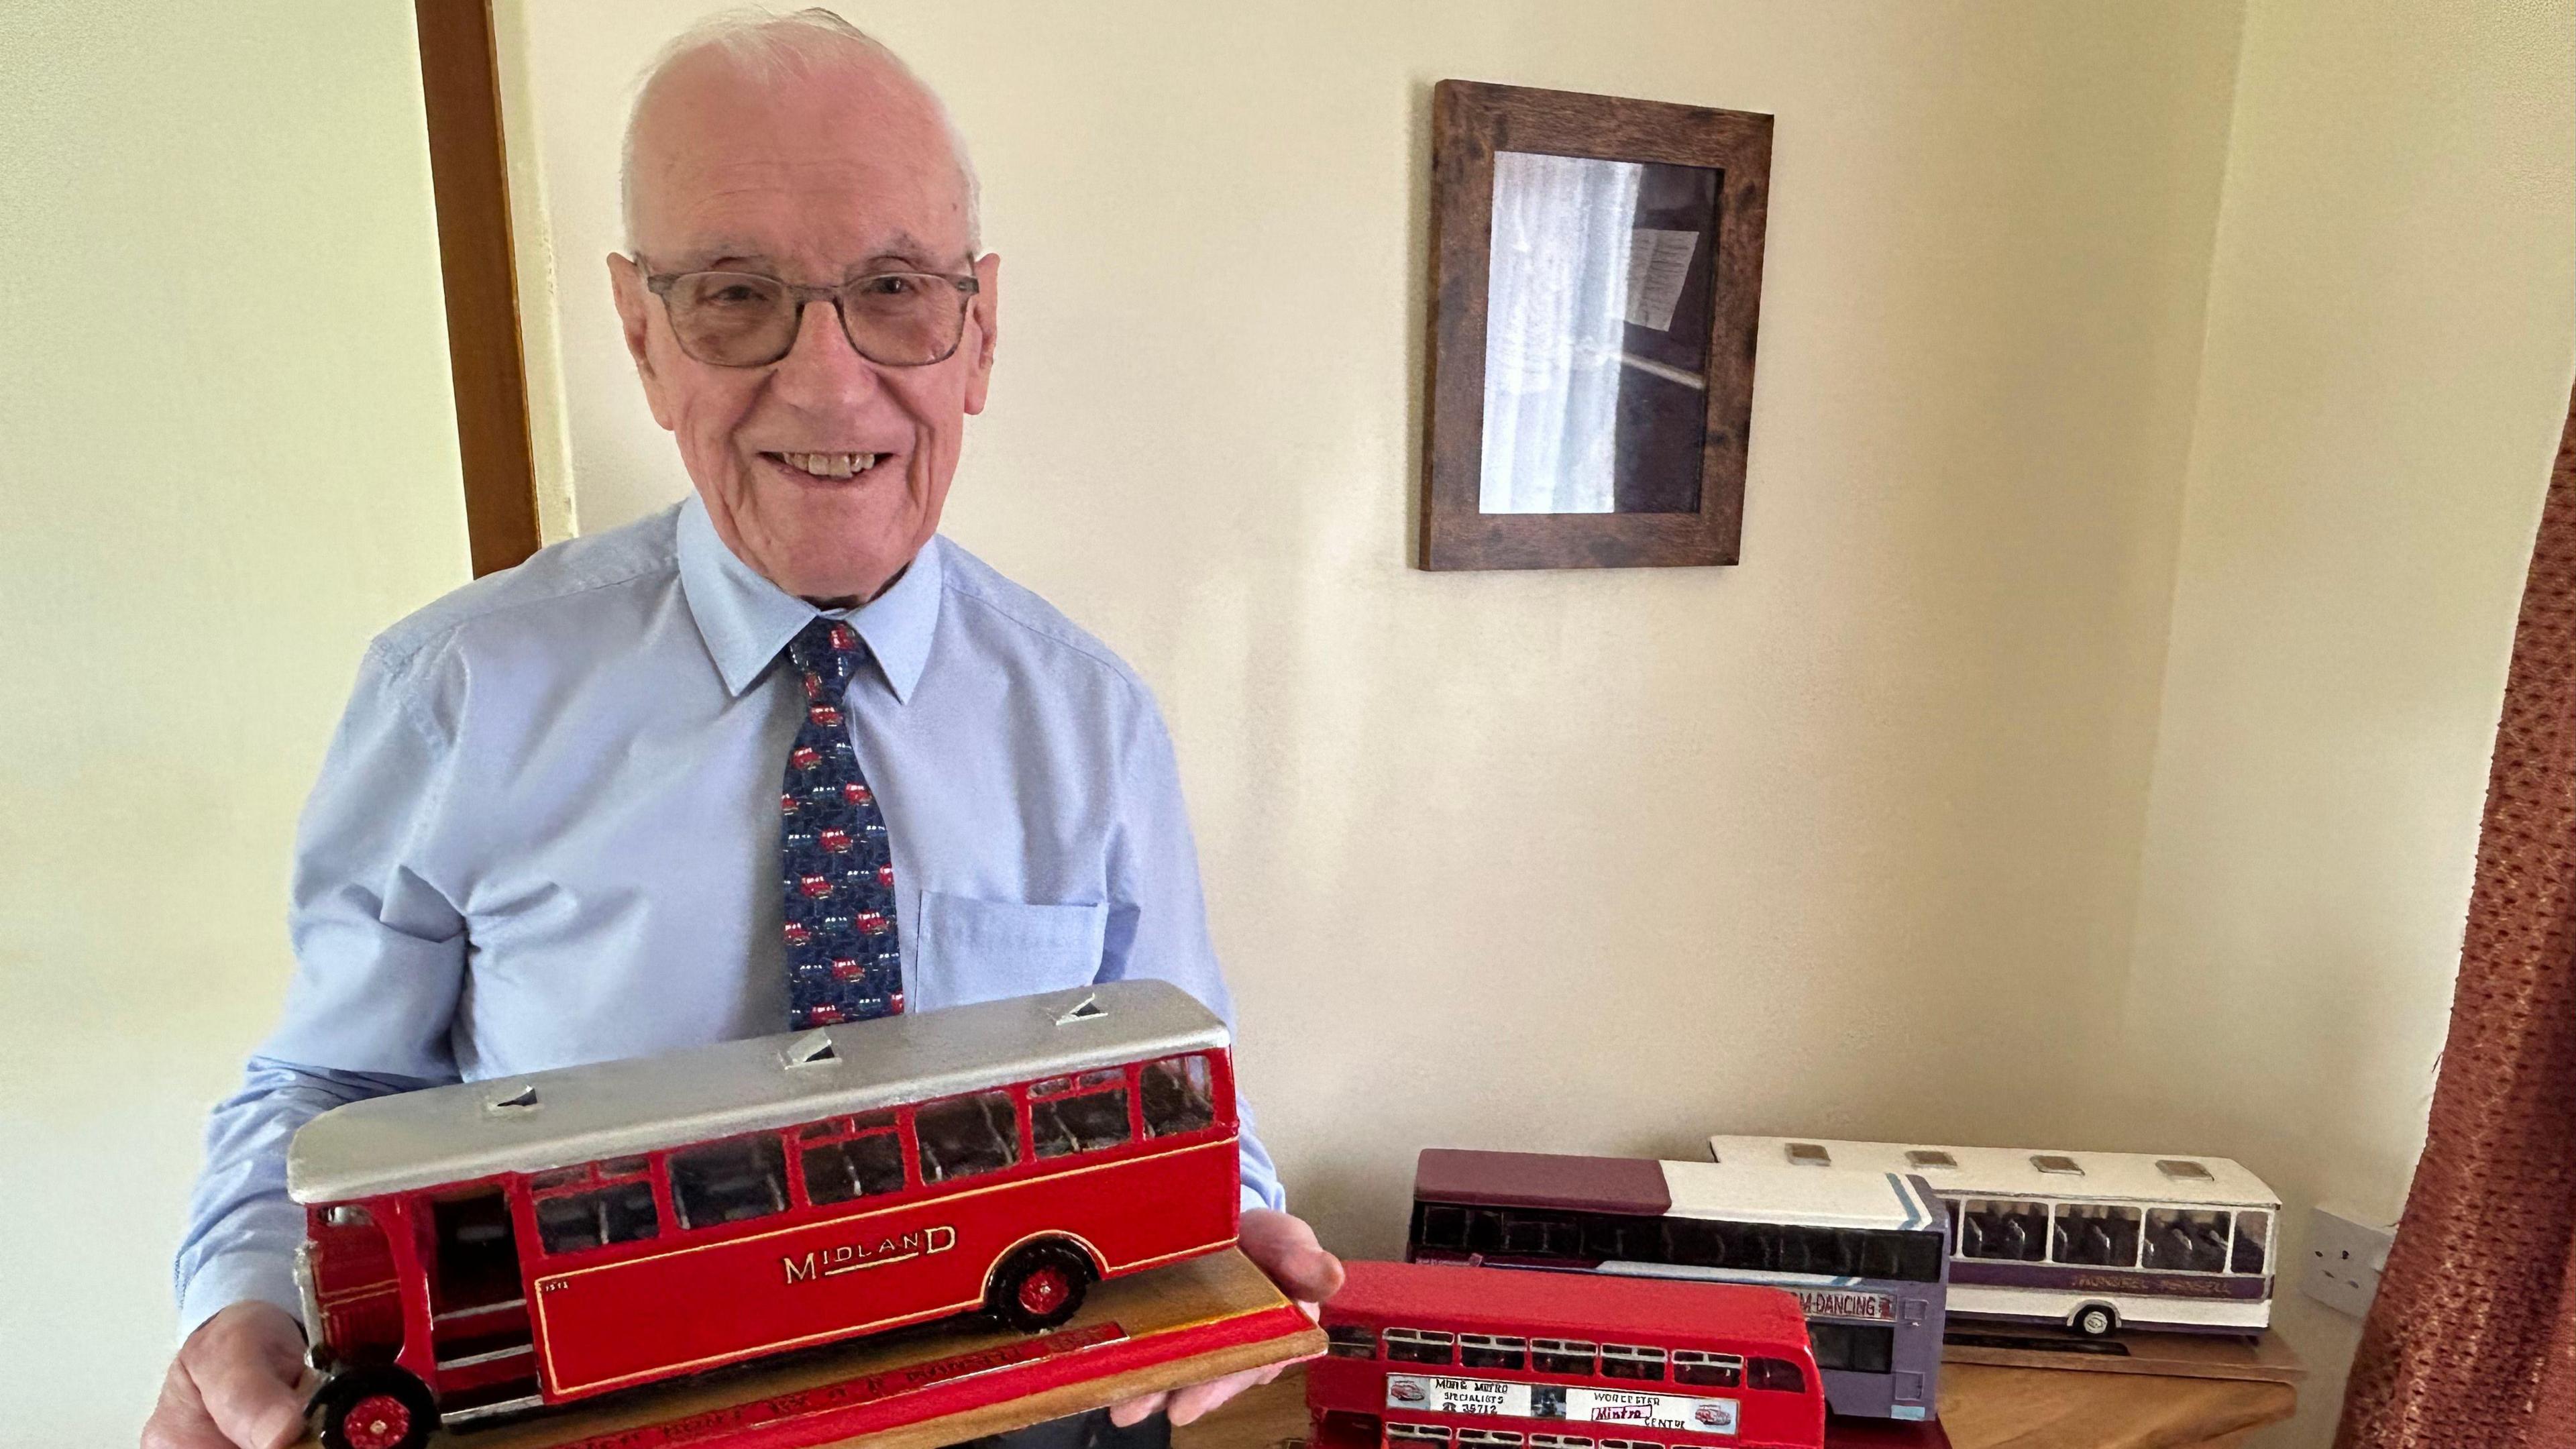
1981 1407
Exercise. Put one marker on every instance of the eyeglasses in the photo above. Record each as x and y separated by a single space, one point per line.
743 319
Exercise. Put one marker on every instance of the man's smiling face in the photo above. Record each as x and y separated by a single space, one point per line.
823 470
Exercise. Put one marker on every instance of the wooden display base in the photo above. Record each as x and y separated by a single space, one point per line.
1843 1433
1174 1326
2166 1355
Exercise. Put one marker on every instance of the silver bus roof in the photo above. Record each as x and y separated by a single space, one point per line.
573 1115
2170 1178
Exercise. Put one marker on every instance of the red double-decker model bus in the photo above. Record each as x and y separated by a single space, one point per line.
489 1248
1431 1355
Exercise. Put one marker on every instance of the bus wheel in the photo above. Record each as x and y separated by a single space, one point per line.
2095 1320
1039 1286
376 1408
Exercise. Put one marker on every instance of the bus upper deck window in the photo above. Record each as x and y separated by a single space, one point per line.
1480 1350
2253 1234
1562 1356
1415 1345
2095 1235
1079 1114
1713 1370
1350 1340
2186 1240
1776 1373
1630 1361
728 1182
1444 1225
967 1136
1180 1095
852 1157
2003 1229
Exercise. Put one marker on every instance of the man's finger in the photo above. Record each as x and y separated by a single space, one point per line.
179 1417
1136 1411
246 1372
1189 1403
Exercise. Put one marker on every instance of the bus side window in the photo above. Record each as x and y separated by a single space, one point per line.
1776 1373
2003 1230
1483 1350
2095 1236
1721 1370
1414 1345
2186 1240
1444 1225
1859 1347
966 1136
1083 1114
1561 1356
1179 1094
622 1212
852 1157
2253 1233
1349 1340
728 1182
1695 1244
1625 1361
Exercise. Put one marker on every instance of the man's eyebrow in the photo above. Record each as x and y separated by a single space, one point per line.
903 246
727 255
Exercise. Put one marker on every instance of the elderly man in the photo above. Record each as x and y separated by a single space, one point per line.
550 827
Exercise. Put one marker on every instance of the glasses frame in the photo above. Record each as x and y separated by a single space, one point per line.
661 283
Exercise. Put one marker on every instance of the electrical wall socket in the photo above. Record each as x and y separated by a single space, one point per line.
2345 1257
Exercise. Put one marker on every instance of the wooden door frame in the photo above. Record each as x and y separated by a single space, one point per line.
470 181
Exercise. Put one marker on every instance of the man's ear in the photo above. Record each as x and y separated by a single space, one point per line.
634 319
981 315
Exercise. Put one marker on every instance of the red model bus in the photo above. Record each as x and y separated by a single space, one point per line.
483 1249
1426 1356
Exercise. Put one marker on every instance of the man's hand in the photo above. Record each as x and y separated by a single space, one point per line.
1283 1247
239 1382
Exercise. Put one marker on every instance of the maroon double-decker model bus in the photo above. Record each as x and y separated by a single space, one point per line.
1430 1356
494 1247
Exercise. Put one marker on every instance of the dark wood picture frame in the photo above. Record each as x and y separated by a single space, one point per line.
1470 122
470 186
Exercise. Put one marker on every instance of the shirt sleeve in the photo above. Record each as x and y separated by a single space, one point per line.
380 958
1157 916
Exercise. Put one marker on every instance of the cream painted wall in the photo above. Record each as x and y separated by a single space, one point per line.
1842 840
2392 325
227 456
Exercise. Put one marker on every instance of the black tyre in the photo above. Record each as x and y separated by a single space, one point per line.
375 1408
1039 1286
2094 1320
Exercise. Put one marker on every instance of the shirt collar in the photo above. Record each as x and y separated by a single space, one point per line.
745 619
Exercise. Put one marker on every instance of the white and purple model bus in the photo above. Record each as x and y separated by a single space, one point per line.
1866 1257
2092 1241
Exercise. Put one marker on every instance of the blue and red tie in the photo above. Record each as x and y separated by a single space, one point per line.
843 963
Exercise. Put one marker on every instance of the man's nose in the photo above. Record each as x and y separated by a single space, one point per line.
821 369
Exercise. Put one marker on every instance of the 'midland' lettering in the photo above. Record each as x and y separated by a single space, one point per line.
851 1257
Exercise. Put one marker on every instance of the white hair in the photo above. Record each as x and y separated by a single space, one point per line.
768 47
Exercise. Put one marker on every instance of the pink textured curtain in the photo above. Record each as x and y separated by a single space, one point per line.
2472 1341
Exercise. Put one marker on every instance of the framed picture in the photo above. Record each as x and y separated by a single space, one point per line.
1596 283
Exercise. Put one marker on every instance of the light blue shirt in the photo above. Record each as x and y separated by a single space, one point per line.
547 833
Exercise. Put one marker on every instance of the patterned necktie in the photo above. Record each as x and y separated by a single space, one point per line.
843 963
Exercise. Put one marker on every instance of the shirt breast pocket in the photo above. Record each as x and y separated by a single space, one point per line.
973 950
